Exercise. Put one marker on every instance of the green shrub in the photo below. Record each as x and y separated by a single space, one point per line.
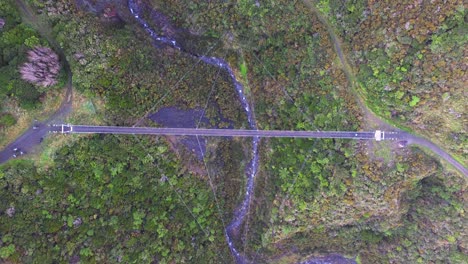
370 237
7 251
7 120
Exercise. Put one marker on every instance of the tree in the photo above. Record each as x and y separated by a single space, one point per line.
42 68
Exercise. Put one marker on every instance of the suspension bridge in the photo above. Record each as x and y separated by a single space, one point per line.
377 135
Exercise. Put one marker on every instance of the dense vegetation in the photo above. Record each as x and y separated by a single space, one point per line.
80 207
119 198
409 59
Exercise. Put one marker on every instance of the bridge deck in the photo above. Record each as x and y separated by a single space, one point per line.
81 129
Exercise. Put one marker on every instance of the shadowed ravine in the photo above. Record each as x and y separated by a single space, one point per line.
252 167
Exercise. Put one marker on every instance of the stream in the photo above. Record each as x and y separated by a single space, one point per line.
252 166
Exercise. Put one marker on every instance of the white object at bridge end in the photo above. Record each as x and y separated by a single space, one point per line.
379 135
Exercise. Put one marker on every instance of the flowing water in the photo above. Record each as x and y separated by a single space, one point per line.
252 167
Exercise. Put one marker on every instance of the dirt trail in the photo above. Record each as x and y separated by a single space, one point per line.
370 117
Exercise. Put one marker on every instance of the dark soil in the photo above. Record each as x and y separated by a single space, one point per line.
190 118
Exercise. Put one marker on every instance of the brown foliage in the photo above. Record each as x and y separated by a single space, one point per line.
42 67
